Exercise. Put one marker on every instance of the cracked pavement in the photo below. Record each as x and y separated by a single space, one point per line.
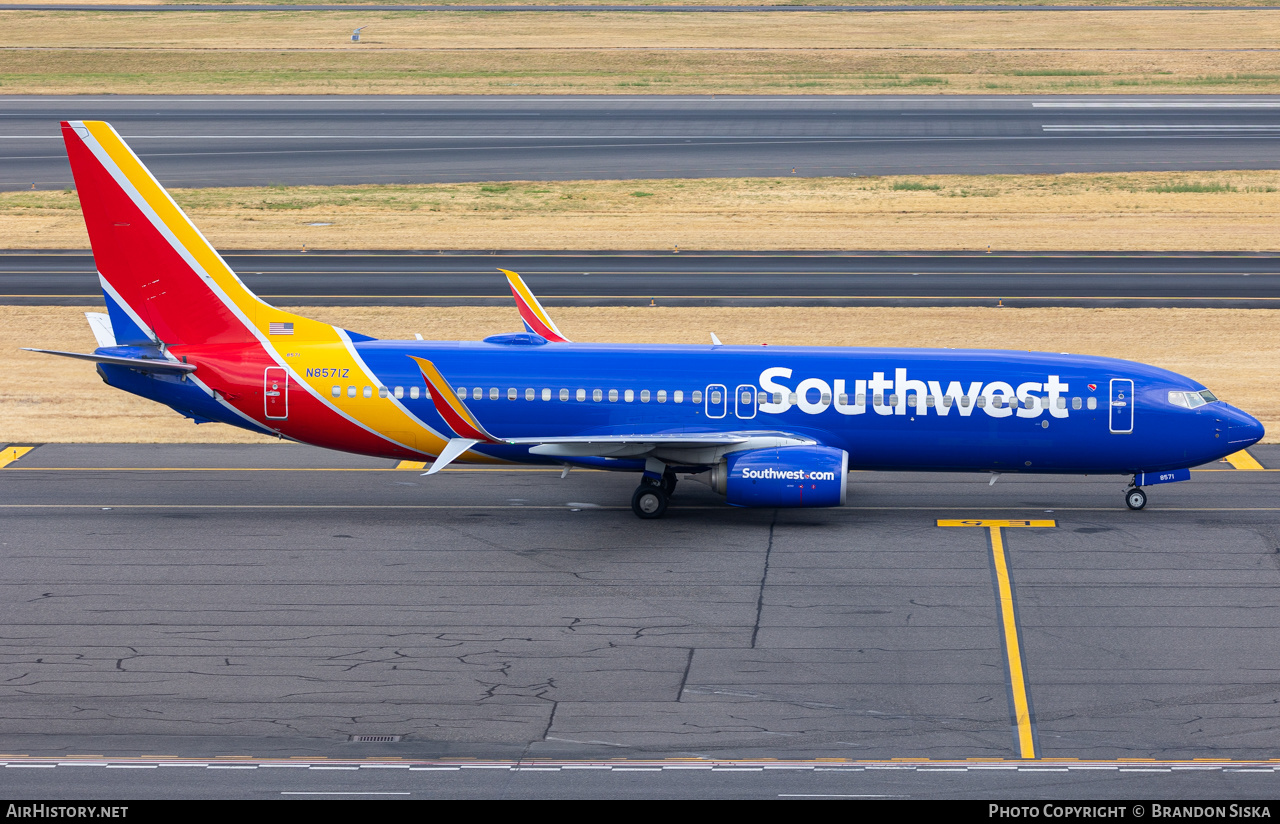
227 611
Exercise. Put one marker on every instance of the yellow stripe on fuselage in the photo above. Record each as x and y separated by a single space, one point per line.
313 345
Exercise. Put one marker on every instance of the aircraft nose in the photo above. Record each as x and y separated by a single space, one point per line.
1243 429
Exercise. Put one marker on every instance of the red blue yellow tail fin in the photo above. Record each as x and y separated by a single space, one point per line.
150 256
535 318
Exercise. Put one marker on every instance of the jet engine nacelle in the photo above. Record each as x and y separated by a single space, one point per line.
787 476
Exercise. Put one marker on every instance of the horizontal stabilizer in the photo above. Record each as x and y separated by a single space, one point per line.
145 364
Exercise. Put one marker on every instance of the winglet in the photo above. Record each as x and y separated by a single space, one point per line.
535 318
451 408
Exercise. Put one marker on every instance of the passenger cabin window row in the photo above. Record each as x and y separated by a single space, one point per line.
1186 399
1189 399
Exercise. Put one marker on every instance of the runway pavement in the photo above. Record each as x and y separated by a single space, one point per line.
253 141
238 613
1230 280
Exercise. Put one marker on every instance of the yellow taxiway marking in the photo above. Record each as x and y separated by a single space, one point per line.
13 453
412 465
1243 460
987 522
1023 722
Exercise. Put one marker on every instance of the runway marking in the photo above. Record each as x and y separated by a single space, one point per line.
676 765
1155 104
1020 698
1158 128
1243 460
13 453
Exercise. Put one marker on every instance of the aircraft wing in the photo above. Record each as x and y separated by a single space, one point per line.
680 448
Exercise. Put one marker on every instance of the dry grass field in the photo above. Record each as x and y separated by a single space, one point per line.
672 53
1235 352
1203 211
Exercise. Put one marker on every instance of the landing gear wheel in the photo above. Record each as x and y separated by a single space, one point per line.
669 484
649 501
1135 498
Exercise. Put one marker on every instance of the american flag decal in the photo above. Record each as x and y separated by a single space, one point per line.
281 328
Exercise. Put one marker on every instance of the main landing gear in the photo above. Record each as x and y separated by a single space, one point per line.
651 496
1135 498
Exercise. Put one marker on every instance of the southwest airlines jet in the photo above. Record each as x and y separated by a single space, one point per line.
766 426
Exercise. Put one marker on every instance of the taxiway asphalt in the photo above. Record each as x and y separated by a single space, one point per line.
1228 280
232 140
229 606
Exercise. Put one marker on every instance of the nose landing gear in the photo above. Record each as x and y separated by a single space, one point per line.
1135 498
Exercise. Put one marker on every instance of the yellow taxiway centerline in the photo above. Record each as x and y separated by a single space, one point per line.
1024 724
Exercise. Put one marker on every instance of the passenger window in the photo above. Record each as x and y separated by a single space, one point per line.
529 394
644 396
399 393
546 394
629 396
677 396
862 399
893 400
564 394
462 392
826 397
511 393
337 391
368 391
912 400
597 395
997 401
1075 403
382 391
613 396
1013 403
351 391
493 393
878 400
981 401
1093 403
843 400
964 400
413 392
929 400
1062 402
662 396
581 395
777 397
696 397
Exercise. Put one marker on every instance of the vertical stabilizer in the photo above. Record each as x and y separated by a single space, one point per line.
166 277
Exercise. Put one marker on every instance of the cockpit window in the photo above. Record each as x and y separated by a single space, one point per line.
1191 400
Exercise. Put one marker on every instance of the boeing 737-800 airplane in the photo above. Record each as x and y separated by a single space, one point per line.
767 426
